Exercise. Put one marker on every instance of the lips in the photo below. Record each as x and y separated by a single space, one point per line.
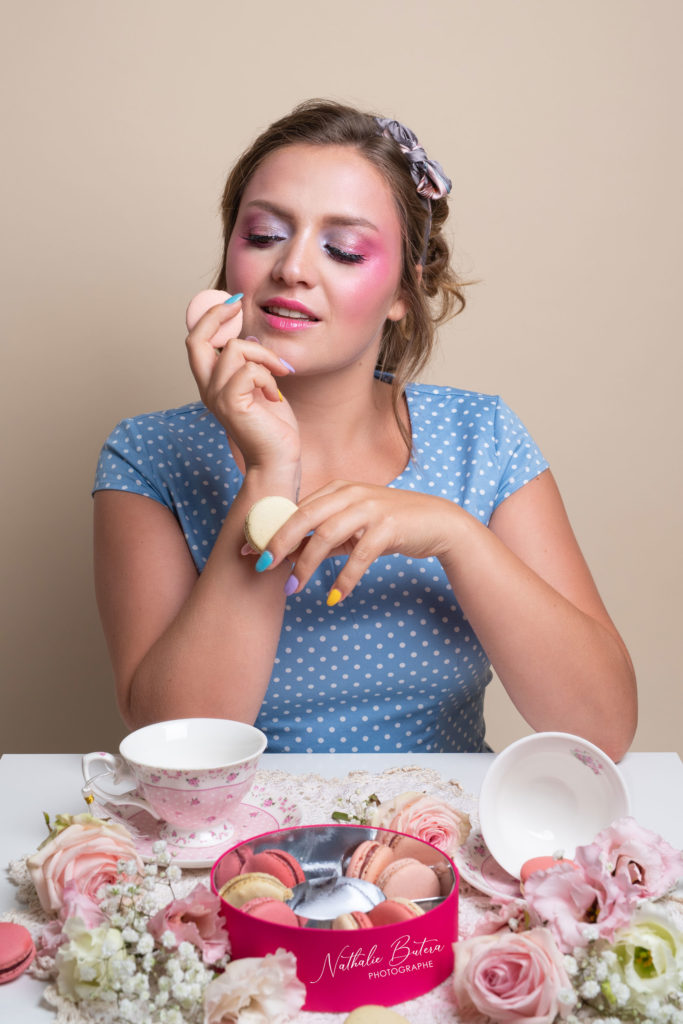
289 309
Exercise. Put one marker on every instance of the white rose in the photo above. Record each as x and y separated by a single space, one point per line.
650 957
85 963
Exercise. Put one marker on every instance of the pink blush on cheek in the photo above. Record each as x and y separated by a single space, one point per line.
373 287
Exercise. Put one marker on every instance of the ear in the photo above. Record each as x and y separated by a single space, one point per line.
400 307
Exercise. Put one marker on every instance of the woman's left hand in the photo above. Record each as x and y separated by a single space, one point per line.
363 521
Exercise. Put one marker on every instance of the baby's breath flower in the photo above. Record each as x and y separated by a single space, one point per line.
570 965
168 940
590 989
568 997
129 935
601 970
174 874
145 944
186 952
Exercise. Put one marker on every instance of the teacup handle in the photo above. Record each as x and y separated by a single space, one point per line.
100 765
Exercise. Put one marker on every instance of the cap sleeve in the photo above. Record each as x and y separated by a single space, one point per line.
124 464
519 457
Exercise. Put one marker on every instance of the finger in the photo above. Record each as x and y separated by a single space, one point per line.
206 361
240 388
349 531
224 318
209 336
371 545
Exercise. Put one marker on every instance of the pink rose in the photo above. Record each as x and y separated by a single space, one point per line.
74 904
566 900
511 978
195 919
509 915
425 817
262 990
643 861
82 852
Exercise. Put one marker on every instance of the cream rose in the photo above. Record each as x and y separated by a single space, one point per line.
650 957
83 852
511 977
425 817
87 962
261 990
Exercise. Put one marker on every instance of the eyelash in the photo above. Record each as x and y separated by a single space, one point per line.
340 255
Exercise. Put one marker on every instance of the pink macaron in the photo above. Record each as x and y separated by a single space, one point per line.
16 950
279 863
407 846
273 911
394 911
369 860
410 878
530 867
233 862
206 300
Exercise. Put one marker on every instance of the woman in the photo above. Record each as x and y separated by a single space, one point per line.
430 540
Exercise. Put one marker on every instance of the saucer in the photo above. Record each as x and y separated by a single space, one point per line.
264 814
478 867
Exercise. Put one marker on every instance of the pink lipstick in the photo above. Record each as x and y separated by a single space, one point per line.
288 314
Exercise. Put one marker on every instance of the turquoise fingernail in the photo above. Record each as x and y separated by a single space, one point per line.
234 298
264 560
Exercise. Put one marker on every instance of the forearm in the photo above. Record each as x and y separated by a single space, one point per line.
563 668
215 656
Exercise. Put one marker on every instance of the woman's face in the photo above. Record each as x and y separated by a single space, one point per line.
317 251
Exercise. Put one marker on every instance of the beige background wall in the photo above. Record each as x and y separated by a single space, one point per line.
560 124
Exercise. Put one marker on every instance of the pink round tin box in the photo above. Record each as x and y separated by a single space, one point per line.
344 968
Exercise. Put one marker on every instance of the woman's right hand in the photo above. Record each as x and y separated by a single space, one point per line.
237 383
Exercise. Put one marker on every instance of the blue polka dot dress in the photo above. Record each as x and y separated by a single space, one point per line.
396 666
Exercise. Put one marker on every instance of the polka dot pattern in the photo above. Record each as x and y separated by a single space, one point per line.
396 666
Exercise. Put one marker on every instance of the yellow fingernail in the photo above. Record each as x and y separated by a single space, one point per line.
282 397
334 597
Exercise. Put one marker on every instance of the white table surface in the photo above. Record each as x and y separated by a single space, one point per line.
33 783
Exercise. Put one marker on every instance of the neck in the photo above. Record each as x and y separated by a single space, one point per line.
342 419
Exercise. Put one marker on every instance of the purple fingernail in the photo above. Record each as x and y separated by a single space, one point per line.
291 585
287 366
252 337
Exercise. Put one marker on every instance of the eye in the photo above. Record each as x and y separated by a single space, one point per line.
343 256
261 240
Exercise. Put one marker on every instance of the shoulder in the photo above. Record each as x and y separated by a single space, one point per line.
180 418
443 402
189 420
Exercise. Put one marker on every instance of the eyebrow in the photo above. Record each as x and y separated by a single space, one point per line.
334 219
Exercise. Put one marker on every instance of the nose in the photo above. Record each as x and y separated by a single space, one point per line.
296 261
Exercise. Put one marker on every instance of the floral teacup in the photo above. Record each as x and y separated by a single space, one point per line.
191 773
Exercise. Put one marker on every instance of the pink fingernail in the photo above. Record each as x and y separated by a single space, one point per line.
252 337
